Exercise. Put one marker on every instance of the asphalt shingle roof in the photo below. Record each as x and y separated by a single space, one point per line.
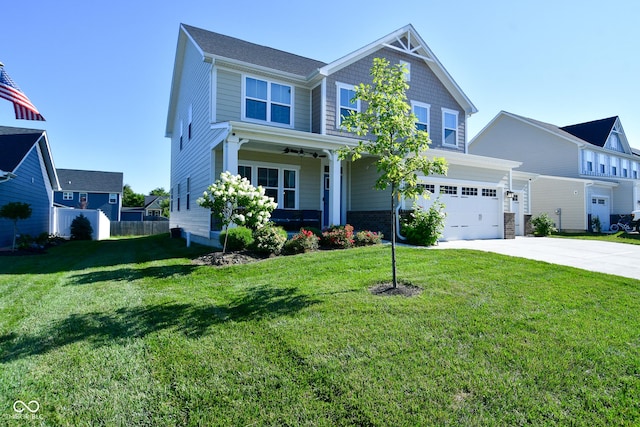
595 132
251 53
15 143
90 181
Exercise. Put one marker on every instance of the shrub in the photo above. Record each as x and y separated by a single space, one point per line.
304 241
424 227
366 238
269 239
337 237
238 238
543 225
81 228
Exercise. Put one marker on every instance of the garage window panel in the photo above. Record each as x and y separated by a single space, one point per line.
449 189
489 192
469 191
427 187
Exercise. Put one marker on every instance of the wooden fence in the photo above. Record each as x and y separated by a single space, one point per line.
139 228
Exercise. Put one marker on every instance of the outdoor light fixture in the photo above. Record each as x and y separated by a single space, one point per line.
509 194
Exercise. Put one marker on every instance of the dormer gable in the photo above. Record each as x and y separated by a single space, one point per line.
605 133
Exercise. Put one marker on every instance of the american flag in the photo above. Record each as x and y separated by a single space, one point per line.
9 90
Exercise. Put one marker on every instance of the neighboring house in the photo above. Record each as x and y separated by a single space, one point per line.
585 170
28 175
151 211
82 189
274 117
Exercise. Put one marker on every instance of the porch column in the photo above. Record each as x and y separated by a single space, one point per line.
334 187
230 149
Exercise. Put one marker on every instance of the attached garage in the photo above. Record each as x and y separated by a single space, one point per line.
473 211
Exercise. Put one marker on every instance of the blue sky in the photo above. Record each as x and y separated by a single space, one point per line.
100 72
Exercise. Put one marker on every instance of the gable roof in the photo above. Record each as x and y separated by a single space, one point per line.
408 41
90 181
15 145
594 132
547 127
220 46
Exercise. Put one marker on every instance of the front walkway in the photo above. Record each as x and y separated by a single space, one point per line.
605 257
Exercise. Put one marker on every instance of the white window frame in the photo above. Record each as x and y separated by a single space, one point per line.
427 107
455 113
346 86
281 168
67 195
268 101
113 198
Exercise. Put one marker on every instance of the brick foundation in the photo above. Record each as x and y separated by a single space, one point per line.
509 225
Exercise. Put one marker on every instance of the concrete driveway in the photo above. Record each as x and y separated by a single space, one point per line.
604 257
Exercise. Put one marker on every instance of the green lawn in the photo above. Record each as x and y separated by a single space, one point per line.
129 332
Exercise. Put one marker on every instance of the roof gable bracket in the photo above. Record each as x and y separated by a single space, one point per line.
411 52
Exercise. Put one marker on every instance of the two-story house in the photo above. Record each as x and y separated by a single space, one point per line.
83 189
585 170
275 118
27 175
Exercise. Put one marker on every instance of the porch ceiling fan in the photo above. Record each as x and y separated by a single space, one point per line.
301 152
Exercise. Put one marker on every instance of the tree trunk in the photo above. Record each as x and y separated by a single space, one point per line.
393 237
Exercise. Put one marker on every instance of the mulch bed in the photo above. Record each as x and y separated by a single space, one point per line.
403 289
230 258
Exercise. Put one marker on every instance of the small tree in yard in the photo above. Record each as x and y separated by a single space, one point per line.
15 211
234 200
396 142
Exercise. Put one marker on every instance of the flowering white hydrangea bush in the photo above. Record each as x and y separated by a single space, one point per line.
234 200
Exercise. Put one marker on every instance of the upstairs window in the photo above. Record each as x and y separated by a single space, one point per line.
422 112
113 198
449 127
346 93
67 195
267 101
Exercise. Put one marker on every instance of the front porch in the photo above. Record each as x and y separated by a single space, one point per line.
301 171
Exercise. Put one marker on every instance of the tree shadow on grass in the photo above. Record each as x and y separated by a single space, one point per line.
128 274
193 321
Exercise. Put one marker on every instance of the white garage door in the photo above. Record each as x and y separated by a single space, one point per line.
472 212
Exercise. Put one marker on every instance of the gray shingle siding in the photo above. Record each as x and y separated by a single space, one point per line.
424 87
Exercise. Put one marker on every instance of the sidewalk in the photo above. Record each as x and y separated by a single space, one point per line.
604 257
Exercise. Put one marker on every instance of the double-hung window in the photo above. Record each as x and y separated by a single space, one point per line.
113 198
449 127
422 112
346 105
280 182
67 195
268 101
